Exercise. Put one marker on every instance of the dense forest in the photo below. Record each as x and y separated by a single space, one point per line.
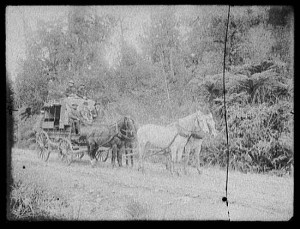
177 73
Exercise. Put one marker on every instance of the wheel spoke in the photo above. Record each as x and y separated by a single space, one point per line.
45 155
42 141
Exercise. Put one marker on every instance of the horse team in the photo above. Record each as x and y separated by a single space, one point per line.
175 140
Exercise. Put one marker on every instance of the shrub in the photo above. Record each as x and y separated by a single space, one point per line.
137 211
26 132
260 139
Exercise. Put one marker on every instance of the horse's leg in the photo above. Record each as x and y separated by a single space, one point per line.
126 152
169 162
141 148
178 160
172 167
197 151
167 154
89 149
175 154
131 152
114 153
185 157
120 153
93 149
171 157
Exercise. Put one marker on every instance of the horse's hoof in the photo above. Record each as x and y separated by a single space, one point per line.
141 170
93 163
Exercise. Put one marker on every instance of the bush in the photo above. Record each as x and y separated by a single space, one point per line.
26 132
260 139
137 210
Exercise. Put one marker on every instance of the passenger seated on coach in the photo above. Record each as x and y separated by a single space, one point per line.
71 89
81 91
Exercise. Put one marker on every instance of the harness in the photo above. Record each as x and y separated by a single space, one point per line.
181 131
118 132
163 149
198 134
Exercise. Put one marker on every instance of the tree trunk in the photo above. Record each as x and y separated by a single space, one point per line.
166 83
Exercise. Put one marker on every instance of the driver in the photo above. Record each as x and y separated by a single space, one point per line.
74 117
82 91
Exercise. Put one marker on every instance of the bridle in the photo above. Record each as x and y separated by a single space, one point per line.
117 130
192 131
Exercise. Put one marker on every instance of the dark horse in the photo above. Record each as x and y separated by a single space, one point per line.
111 136
128 139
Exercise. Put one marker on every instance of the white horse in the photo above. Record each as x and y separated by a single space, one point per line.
183 145
164 136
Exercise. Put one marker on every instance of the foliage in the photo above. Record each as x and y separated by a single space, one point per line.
60 51
26 135
31 87
137 211
260 139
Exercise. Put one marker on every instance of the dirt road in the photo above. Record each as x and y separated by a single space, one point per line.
106 193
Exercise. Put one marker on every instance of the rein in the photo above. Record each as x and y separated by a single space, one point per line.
125 136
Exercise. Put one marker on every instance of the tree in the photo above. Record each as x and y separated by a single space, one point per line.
207 36
59 51
161 44
31 86
87 32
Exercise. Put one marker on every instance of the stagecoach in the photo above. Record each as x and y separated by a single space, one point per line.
56 131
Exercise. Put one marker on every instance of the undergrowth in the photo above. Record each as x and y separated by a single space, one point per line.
29 201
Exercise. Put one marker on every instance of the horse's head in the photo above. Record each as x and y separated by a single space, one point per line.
206 123
128 128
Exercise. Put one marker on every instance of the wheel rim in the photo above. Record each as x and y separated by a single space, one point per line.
42 143
66 151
